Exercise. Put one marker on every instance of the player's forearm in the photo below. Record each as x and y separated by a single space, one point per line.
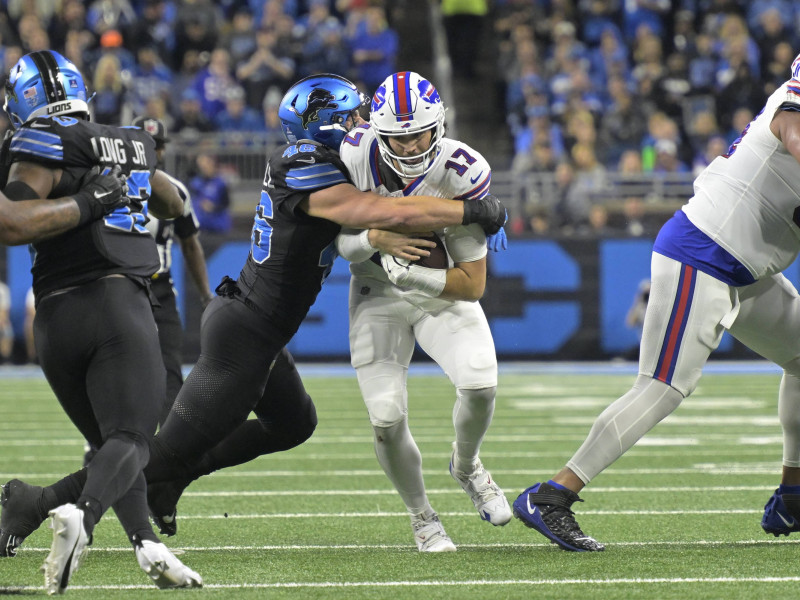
354 246
27 221
195 261
422 213
460 285
165 202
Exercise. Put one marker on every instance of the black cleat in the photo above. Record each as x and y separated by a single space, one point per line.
162 500
546 509
21 515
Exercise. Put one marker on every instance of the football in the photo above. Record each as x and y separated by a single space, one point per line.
438 258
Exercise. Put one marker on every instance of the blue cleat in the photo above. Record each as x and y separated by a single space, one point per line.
779 514
546 509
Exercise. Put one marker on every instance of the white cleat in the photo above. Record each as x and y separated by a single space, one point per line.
164 568
429 533
486 495
69 548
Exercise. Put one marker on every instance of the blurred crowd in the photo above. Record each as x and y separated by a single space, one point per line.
591 90
640 87
202 66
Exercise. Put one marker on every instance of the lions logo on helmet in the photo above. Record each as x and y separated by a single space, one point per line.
407 104
317 100
322 108
44 83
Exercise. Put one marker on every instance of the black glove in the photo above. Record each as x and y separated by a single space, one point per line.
101 194
488 212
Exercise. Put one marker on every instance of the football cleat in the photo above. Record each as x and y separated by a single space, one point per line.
486 495
164 568
162 500
429 533
70 545
20 516
546 509
779 514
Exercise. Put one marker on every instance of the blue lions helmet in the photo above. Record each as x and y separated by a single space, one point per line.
44 83
320 108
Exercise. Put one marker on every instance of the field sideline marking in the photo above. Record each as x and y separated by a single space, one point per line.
179 550
364 584
721 469
393 514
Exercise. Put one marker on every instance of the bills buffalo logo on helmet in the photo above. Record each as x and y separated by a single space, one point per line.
427 92
318 100
379 98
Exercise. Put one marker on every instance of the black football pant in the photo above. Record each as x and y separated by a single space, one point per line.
98 348
170 338
243 367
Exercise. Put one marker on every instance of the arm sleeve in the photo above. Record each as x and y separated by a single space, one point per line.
353 245
465 243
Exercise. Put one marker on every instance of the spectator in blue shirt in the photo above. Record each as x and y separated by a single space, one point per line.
238 123
212 82
210 196
374 49
150 77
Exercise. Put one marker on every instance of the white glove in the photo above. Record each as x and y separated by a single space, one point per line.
406 274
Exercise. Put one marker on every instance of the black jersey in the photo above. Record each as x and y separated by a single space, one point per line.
118 243
292 252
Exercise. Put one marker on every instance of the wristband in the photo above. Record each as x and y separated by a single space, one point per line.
363 239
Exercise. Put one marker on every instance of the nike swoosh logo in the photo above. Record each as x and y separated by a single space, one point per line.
531 509
39 125
98 196
310 160
475 179
790 523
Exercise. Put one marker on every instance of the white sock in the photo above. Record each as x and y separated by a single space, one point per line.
472 415
622 424
401 460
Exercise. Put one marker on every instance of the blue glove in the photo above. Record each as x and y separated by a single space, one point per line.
497 241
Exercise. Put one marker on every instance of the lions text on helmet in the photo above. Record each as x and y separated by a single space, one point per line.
408 116
44 83
321 107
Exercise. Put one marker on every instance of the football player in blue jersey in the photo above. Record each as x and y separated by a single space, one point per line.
94 330
307 196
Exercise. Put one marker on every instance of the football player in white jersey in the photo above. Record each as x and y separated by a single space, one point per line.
716 267
395 303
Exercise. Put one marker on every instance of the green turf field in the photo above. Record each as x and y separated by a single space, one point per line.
679 514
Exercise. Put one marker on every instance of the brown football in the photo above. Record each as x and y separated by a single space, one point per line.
438 257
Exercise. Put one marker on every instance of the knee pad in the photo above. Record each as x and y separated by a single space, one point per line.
385 400
385 410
